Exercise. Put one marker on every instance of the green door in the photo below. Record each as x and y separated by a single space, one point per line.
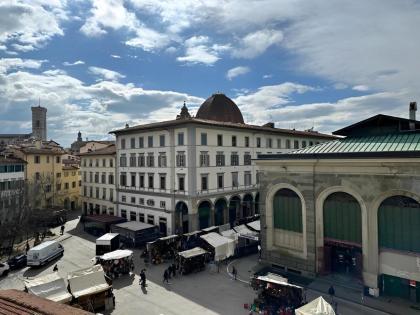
342 218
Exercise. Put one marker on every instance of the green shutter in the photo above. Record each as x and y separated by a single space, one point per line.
342 218
287 211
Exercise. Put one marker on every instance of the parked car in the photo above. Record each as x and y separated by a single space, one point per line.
44 253
17 262
4 269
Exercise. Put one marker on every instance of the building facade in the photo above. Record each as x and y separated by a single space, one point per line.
191 173
70 186
349 206
98 193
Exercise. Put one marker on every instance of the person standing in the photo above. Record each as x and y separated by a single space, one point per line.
259 251
234 272
143 278
331 292
27 247
166 276
62 229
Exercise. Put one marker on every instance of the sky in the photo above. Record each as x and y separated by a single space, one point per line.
97 65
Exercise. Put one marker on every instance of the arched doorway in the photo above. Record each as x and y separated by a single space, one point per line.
398 233
181 217
247 205
219 211
287 211
234 205
342 234
257 203
204 214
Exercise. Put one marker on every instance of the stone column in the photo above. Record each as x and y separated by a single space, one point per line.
212 213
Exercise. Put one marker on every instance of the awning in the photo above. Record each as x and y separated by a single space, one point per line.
316 307
223 247
169 237
245 232
117 254
255 225
196 251
87 281
51 287
273 278
232 234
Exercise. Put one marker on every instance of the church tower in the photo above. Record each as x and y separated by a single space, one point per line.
39 122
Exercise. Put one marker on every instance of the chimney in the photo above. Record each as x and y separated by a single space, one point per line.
413 109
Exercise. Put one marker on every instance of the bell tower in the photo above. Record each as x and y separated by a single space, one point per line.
39 122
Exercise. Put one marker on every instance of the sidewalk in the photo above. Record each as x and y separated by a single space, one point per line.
246 266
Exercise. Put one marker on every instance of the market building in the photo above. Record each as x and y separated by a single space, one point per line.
98 193
350 206
193 172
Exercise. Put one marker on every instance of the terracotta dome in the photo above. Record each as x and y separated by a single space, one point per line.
219 107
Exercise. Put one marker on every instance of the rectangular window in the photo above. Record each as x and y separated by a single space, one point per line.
235 179
204 183
162 160
233 141
123 198
296 144
258 142
220 183
104 193
151 219
111 163
247 158
58 175
123 160
150 160
111 194
181 138
303 144
97 191
141 180
133 199
204 159
141 201
311 143
247 179
151 184
247 142
162 140
204 139
103 178
141 160
37 159
103 162
90 177
257 177
124 213
123 179
181 183
58 187
220 140
234 159
162 182
96 177
141 217
133 179
278 143
269 143
48 159
141 142
132 160
91 191
163 204
180 159
287 144
58 159
73 184
123 143
85 177
133 143
111 179
150 141
220 159
133 216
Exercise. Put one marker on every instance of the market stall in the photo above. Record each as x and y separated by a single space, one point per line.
107 243
191 240
276 295
51 287
255 225
164 248
117 263
136 234
316 307
232 234
192 260
100 224
221 247
90 289
211 229
248 241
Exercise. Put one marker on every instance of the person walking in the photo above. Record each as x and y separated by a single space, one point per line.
143 278
234 272
62 229
259 251
331 292
27 247
166 276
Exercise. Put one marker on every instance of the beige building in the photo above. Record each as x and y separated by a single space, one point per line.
349 207
98 193
69 187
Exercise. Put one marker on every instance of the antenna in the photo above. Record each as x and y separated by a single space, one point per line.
39 101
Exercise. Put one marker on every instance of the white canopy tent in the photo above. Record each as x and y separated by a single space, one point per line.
230 234
245 232
87 281
316 307
223 247
256 225
196 251
51 287
117 254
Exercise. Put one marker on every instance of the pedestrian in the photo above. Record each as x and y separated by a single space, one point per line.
234 272
363 297
259 251
143 278
331 292
169 271
166 276
55 267
173 269
62 229
27 247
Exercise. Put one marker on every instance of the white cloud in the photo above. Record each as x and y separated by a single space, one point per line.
12 63
199 50
267 76
28 25
116 56
234 72
69 64
106 74
360 88
256 43
148 39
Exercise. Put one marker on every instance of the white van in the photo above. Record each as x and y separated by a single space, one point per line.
43 253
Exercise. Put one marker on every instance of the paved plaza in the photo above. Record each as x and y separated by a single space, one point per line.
207 292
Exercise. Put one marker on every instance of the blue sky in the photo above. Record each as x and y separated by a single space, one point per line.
99 64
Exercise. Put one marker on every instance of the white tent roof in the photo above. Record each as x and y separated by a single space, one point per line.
106 238
117 254
87 281
230 234
192 252
51 287
316 307
244 231
256 225
223 247
273 278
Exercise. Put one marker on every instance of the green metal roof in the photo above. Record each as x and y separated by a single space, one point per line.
400 142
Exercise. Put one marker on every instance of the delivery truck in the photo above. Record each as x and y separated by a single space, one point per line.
44 253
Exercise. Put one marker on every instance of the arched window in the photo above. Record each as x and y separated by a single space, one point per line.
287 211
399 224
